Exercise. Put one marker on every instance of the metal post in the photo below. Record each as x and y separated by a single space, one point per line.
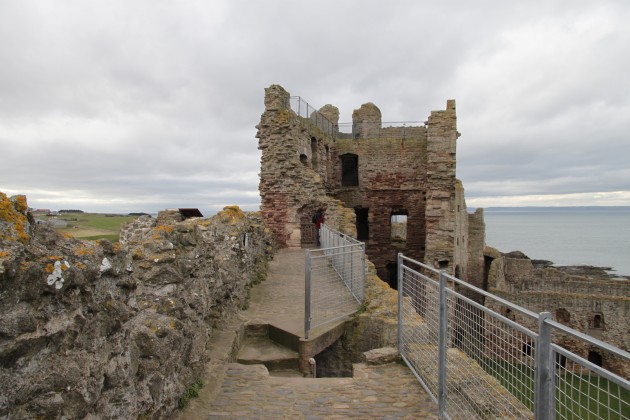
352 252
307 293
362 272
544 399
442 347
400 302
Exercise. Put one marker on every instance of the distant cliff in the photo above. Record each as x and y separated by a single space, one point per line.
102 330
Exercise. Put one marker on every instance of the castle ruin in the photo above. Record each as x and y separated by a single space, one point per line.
367 180
395 188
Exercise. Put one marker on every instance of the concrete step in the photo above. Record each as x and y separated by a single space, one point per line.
262 350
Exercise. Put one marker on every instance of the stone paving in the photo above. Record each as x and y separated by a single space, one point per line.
280 298
387 392
250 392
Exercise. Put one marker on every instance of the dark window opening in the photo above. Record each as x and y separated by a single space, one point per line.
349 170
561 361
563 316
363 227
304 159
443 264
595 358
527 349
598 321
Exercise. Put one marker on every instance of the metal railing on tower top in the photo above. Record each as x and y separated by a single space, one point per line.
304 110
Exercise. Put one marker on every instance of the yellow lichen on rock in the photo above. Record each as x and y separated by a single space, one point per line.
83 249
231 214
13 213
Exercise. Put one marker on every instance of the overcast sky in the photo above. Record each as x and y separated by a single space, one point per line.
125 105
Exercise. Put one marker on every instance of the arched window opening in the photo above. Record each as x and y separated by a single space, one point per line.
563 316
598 321
349 170
304 159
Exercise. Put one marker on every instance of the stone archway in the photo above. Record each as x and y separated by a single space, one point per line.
304 218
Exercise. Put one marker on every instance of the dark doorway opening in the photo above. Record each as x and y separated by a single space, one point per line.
595 358
392 275
363 227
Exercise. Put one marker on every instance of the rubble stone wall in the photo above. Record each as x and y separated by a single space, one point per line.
595 306
101 330
391 181
440 196
294 167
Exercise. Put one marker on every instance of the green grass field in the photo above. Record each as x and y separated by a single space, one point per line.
93 226
577 396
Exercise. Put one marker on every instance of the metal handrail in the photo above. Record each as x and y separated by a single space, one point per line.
498 345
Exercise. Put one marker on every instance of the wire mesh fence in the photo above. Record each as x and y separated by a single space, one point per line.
335 279
378 129
479 363
304 110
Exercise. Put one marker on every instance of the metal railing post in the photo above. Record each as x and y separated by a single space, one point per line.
544 398
362 272
442 347
400 303
307 293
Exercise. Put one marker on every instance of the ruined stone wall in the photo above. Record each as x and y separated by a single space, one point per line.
470 232
101 330
399 171
461 255
294 169
475 243
391 181
440 196
575 301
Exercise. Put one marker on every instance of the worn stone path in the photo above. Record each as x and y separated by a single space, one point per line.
280 298
388 391
250 392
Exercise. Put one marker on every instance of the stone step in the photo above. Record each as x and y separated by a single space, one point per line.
262 350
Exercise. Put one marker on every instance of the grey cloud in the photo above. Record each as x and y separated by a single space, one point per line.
154 104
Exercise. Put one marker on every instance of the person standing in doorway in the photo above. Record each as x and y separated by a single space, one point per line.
318 220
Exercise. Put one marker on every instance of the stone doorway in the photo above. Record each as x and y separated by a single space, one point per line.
307 228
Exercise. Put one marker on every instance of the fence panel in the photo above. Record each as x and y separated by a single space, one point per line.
306 111
479 363
335 279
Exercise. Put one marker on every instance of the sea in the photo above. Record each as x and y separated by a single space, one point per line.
597 236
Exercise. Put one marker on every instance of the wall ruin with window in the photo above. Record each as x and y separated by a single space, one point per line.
375 171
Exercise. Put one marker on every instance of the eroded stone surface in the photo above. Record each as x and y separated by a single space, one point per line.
116 331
